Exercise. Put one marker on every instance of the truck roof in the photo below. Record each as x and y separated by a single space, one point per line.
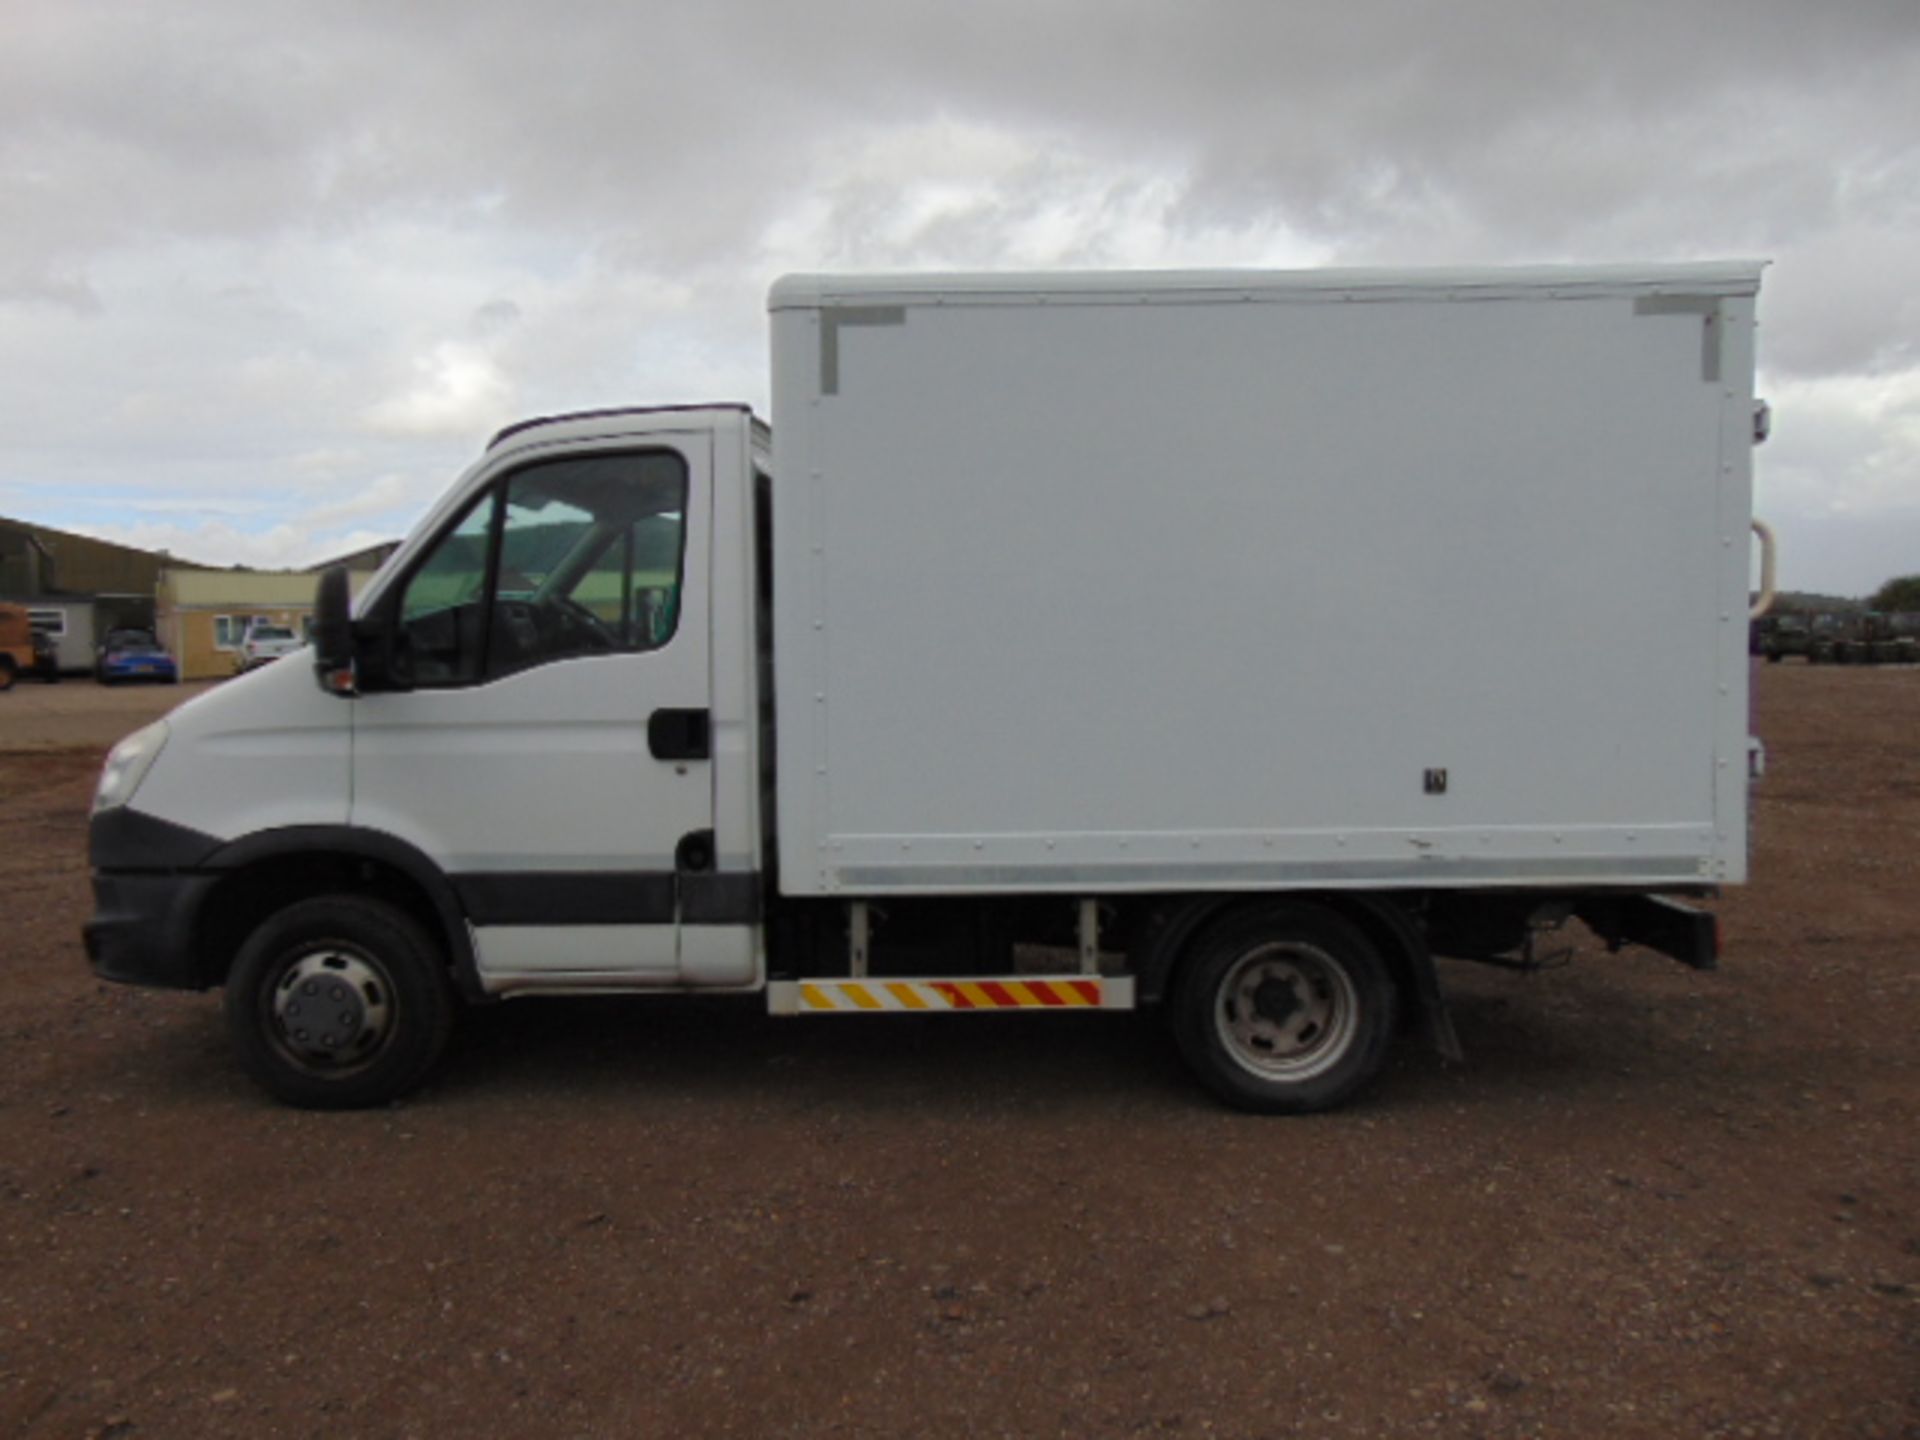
1720 277
572 417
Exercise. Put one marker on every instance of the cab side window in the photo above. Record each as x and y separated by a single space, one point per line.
566 558
441 615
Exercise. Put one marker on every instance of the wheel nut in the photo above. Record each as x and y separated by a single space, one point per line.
310 988
338 993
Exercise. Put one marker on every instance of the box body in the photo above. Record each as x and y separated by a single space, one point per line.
1251 580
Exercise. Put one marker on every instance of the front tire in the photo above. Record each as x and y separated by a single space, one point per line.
339 1002
1284 1009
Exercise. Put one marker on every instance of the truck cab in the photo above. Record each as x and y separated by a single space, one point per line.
542 755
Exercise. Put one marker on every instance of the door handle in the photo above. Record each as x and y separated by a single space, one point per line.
680 734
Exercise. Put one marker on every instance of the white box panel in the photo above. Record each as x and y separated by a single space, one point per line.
1140 582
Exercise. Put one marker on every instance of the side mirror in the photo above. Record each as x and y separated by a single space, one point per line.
333 633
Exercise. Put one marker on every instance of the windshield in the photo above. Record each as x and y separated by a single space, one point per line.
271 632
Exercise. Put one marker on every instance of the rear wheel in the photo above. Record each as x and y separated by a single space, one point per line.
339 1002
1284 1009
6 672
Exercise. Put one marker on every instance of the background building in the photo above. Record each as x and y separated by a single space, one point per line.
201 616
77 588
369 559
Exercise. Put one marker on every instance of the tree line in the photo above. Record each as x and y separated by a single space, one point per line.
1901 593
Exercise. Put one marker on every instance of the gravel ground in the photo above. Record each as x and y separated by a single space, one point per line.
80 712
1653 1203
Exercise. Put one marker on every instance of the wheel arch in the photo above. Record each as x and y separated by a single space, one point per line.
1402 943
1167 931
261 873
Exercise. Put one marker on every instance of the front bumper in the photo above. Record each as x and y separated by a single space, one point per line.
141 932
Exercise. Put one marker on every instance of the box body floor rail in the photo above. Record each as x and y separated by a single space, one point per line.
1236 642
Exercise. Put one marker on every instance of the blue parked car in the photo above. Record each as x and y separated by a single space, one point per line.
133 655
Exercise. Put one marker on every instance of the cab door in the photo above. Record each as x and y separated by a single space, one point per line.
549 753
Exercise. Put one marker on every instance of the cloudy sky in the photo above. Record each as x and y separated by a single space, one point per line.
270 273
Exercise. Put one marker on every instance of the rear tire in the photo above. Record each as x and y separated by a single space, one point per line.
339 1002
1284 1009
6 672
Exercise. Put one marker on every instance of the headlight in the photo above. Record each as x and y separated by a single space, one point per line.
127 765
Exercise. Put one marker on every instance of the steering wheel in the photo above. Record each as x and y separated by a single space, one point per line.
574 622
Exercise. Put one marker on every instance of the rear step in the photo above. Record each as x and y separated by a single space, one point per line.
1060 993
1690 936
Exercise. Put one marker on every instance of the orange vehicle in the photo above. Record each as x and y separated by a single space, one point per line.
16 644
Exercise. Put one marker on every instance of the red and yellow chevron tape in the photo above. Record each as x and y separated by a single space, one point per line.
1053 993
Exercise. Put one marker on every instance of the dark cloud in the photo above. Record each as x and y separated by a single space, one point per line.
361 219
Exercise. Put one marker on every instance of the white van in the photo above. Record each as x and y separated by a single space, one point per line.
264 642
1234 642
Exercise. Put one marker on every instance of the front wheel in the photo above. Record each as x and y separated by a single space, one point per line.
339 1002
1284 1009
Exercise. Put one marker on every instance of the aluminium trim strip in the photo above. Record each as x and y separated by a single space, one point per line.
1713 325
1172 875
832 319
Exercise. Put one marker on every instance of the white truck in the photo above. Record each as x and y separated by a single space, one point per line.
1232 642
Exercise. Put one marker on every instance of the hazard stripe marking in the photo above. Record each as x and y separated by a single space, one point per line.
908 996
1059 993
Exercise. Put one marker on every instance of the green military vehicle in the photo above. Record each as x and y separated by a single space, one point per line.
1778 636
1872 639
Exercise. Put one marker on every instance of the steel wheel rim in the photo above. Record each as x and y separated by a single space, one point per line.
331 1010
1287 1011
